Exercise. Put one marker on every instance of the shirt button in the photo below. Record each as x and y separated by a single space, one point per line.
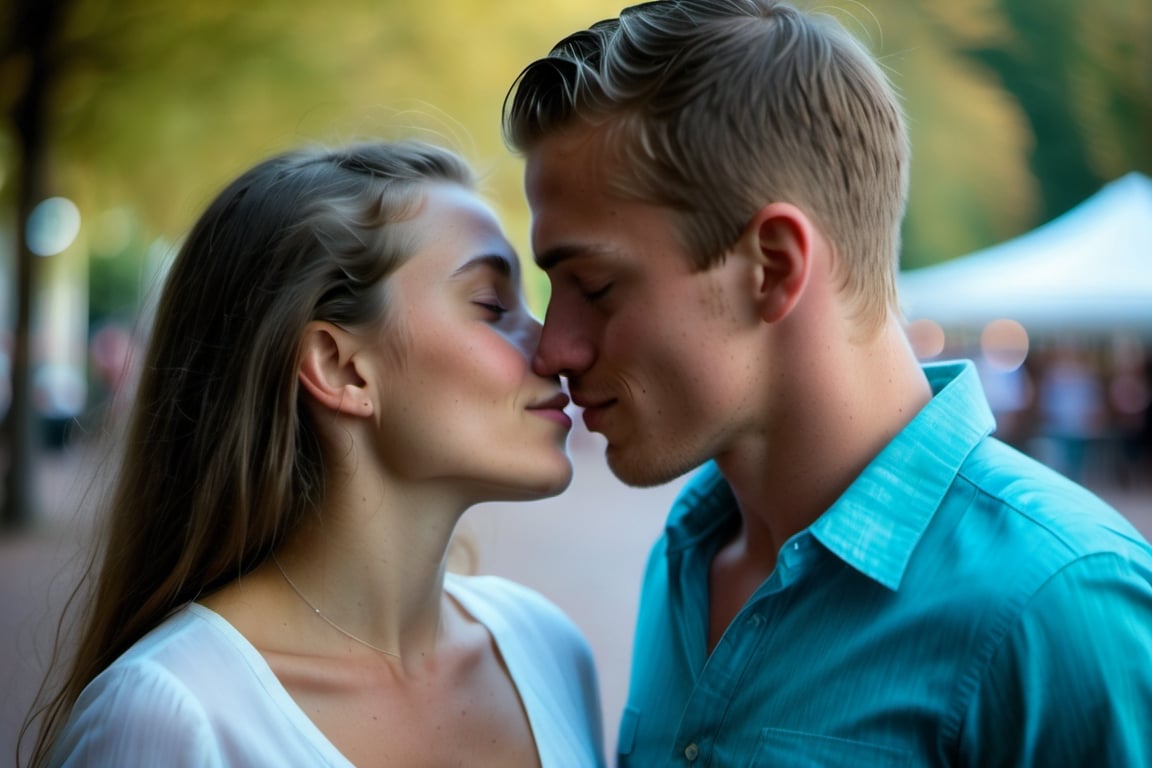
691 752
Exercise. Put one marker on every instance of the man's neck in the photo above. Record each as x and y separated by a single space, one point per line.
819 436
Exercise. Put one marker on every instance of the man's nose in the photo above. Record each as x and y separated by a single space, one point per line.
565 348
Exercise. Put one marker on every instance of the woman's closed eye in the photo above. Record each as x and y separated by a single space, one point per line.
493 306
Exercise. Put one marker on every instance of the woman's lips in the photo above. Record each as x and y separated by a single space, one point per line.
553 410
554 414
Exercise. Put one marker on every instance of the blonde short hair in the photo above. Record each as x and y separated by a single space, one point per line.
718 107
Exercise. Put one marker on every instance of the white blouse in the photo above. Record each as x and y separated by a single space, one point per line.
195 692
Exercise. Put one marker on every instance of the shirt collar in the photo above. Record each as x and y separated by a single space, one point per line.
702 508
877 523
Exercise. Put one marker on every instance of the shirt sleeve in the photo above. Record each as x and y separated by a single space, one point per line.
1071 683
135 717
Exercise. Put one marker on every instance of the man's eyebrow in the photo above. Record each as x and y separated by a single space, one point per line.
502 263
560 253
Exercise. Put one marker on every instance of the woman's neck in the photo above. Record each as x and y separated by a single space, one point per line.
372 562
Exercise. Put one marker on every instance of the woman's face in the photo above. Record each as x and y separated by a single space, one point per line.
459 402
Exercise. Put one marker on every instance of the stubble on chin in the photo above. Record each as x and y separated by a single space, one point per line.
646 466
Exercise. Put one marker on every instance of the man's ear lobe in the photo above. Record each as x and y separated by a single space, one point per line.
328 370
781 237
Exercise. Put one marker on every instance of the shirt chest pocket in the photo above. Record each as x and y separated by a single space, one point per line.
810 750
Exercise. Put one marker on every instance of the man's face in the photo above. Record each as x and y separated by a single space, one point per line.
661 357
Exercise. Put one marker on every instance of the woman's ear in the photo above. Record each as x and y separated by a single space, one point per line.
780 239
329 370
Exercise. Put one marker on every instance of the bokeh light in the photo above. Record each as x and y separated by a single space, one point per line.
926 338
1004 344
52 226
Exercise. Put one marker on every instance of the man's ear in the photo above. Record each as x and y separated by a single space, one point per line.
780 239
329 370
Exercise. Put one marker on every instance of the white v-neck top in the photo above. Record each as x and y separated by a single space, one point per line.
195 692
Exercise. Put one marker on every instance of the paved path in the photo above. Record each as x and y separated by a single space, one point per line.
585 550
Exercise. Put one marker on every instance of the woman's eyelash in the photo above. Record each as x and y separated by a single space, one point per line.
496 309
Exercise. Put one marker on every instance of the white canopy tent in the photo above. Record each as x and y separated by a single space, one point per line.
1089 270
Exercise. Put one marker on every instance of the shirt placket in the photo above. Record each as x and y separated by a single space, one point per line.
741 645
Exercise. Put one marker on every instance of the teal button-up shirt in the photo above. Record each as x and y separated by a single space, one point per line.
960 604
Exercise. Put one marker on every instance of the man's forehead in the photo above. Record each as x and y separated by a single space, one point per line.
575 158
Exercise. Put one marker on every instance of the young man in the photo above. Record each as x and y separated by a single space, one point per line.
859 574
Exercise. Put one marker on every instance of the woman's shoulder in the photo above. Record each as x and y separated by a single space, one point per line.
190 652
190 692
146 702
183 636
189 644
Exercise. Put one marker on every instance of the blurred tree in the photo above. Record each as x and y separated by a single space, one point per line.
27 72
1113 90
1037 64
1016 109
151 107
970 184
1082 74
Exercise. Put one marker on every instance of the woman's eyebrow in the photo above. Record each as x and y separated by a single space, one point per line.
501 263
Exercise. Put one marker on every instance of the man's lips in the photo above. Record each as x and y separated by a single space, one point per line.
593 411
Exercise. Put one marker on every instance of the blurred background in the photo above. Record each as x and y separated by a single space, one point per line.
121 120
1027 245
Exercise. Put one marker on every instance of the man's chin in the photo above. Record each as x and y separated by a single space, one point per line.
641 469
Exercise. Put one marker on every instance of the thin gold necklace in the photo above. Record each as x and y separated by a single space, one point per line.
327 620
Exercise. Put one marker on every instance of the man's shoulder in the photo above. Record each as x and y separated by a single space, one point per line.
1035 500
1010 530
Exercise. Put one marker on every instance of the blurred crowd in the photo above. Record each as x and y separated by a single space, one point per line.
1083 407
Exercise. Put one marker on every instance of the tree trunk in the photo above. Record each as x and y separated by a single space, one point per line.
31 35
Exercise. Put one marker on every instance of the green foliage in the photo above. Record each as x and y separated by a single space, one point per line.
1018 109
1041 64
157 105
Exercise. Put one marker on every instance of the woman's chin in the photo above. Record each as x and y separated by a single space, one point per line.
537 485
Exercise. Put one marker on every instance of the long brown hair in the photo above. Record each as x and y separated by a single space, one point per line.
220 461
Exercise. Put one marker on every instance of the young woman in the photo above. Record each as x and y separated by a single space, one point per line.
339 368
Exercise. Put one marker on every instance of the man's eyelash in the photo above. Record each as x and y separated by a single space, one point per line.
593 296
